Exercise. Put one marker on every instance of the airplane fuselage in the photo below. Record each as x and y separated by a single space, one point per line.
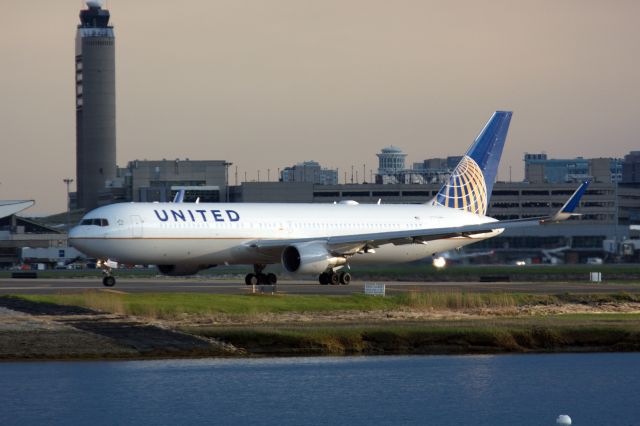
221 233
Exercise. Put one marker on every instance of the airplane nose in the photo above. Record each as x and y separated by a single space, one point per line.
72 238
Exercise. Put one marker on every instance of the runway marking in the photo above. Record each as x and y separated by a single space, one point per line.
108 290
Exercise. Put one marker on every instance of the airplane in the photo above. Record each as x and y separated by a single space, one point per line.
183 238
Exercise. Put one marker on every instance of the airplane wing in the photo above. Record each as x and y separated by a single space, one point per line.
349 244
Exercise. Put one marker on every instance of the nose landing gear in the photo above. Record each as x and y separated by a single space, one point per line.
108 280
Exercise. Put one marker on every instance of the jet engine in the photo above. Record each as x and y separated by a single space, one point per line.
309 258
180 270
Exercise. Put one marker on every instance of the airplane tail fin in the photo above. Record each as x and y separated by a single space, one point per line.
469 186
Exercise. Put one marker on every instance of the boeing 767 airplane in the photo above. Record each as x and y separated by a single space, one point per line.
183 238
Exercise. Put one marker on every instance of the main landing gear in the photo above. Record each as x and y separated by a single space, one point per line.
258 278
334 278
108 280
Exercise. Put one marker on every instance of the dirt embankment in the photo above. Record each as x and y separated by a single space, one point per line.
30 330
400 315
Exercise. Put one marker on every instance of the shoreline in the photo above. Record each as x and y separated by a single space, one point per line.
31 331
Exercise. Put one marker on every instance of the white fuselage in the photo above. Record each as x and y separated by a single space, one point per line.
220 233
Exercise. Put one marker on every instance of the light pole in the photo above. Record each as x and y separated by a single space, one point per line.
226 179
68 181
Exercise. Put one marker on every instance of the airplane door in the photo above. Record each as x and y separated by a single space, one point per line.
136 226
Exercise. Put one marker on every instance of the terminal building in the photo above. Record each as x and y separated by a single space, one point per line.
18 232
538 168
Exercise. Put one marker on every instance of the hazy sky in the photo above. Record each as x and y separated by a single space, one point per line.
266 84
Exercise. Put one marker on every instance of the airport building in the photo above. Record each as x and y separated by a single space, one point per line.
159 180
538 168
309 171
17 232
631 167
392 169
95 105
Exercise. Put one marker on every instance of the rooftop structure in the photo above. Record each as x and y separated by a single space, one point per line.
309 171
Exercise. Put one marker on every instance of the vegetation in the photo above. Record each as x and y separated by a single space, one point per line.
549 334
181 305
177 305
319 335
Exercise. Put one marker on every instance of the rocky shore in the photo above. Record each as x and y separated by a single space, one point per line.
30 330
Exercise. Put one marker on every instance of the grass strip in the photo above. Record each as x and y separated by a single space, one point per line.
178 305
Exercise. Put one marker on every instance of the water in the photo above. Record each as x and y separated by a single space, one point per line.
594 389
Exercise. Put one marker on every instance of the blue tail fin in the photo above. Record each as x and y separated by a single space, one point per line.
469 186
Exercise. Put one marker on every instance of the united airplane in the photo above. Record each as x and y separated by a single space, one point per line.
183 238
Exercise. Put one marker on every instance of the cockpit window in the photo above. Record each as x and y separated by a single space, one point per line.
95 221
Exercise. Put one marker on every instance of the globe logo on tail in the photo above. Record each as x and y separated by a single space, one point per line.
465 190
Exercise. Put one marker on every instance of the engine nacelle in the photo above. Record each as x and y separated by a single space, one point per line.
180 270
309 258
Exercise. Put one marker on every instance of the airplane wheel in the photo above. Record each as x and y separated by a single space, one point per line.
108 281
324 278
272 279
345 278
251 279
334 279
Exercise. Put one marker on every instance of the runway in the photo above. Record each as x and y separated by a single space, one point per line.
226 286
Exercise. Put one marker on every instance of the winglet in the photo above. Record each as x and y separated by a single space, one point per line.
568 208
179 197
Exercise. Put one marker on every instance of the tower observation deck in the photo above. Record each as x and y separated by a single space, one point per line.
95 104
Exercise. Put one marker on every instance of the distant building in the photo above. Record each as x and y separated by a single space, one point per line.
309 172
631 167
391 160
392 169
159 180
538 168
436 170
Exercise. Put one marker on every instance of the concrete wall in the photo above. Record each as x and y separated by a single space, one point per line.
95 117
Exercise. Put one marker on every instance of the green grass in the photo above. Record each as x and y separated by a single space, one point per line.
175 305
179 305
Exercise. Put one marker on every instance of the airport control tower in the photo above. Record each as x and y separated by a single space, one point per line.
95 104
